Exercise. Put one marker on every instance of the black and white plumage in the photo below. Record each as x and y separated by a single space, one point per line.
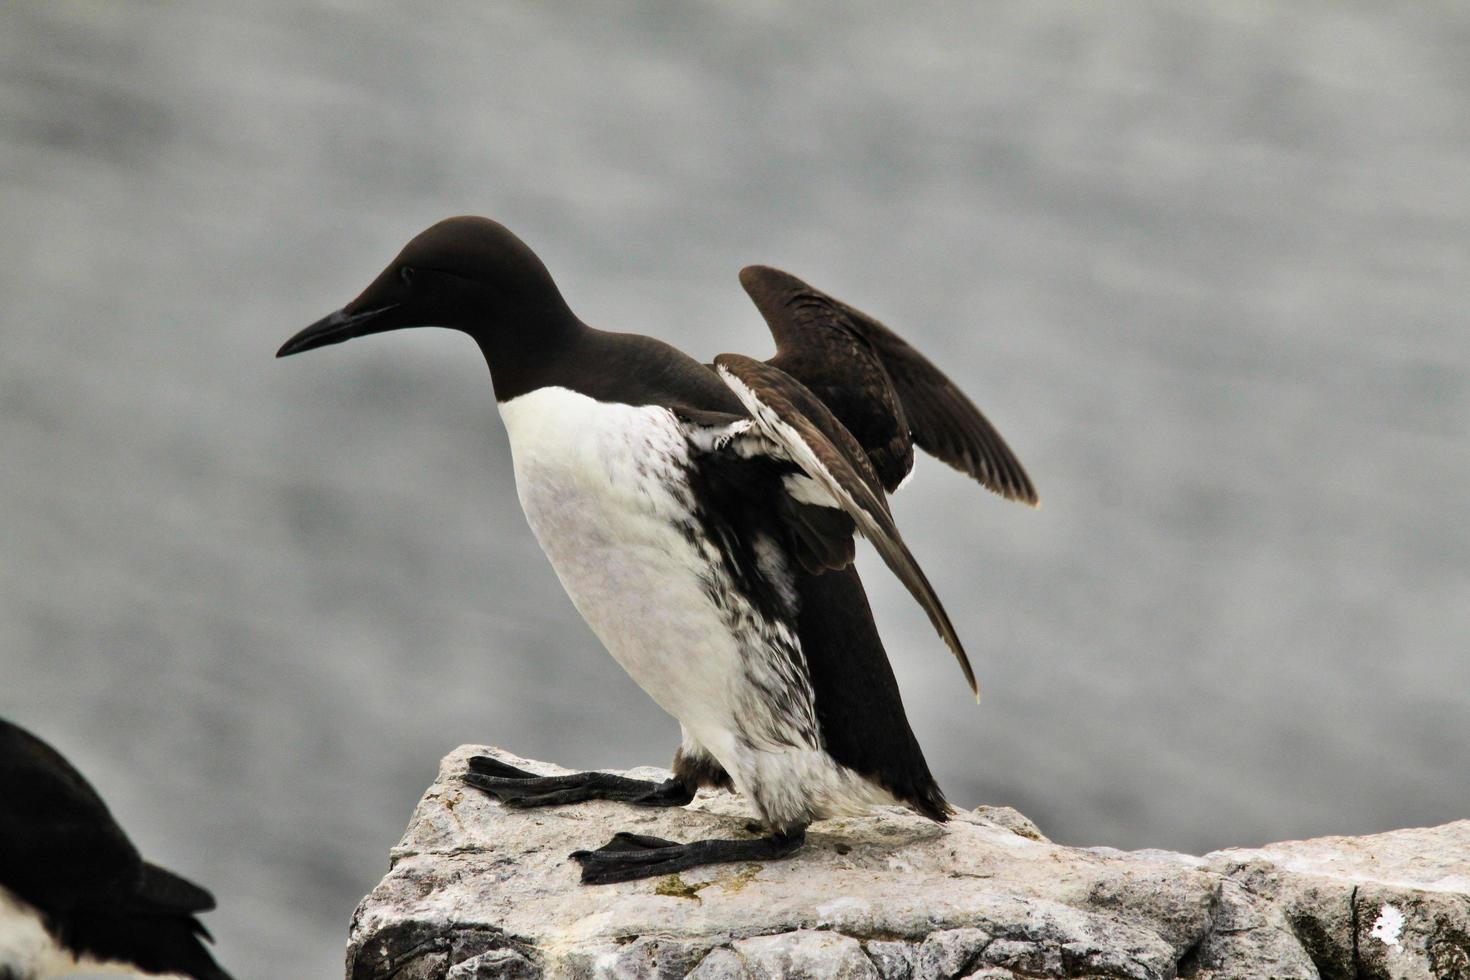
74 892
701 519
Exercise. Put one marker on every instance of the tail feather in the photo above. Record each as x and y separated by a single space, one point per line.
163 891
151 942
154 929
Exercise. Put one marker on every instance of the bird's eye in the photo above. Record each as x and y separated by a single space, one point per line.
406 274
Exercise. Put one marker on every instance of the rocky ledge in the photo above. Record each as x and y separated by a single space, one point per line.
477 890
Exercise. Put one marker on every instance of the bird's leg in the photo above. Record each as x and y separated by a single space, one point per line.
518 788
630 856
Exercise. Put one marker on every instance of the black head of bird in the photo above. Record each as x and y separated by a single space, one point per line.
465 273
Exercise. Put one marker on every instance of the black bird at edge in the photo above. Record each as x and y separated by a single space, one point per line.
74 892
701 518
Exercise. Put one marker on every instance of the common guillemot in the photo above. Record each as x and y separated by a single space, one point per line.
75 895
701 518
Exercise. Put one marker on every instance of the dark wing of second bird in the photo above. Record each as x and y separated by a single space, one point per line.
890 396
59 845
62 852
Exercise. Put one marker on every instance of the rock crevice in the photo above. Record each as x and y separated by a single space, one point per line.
477 890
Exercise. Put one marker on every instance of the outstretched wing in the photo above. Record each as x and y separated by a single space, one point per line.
818 334
838 472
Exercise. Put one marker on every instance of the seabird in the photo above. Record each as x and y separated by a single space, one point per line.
701 519
75 895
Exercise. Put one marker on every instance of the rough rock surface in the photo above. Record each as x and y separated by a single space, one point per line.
478 890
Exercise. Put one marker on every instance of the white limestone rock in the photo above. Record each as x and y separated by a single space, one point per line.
479 890
722 964
1394 906
894 960
805 953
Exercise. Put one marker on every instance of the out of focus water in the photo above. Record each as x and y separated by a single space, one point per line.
1208 269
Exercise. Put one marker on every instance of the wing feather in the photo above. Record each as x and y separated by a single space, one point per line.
796 420
944 421
814 331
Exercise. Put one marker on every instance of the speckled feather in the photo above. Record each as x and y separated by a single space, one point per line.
664 535
793 418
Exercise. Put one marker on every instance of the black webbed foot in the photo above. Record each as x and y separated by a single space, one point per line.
631 856
518 788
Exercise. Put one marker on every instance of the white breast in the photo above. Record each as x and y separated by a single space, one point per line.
23 940
604 490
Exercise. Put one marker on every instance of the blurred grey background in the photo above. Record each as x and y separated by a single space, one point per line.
1206 267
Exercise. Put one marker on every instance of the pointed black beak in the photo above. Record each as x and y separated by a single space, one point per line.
335 328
